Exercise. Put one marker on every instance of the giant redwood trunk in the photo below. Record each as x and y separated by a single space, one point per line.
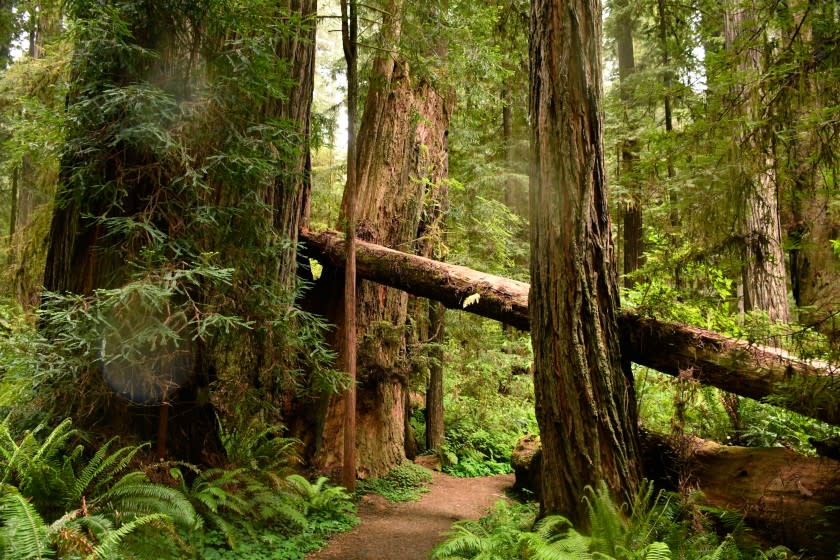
584 391
403 128
122 178
763 266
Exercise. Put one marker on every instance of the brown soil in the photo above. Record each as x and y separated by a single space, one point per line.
409 531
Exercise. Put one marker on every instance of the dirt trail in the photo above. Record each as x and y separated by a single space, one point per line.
411 530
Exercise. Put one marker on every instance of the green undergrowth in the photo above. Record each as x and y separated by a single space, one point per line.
61 497
489 396
657 527
404 483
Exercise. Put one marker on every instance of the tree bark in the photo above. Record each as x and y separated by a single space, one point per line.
585 401
349 34
763 266
786 497
778 492
434 389
403 129
809 388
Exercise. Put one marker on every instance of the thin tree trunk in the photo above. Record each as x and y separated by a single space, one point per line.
434 390
13 214
349 31
632 213
585 401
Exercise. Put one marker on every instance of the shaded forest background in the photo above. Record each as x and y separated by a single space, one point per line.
159 160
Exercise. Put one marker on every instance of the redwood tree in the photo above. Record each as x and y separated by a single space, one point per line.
763 266
187 147
396 153
585 402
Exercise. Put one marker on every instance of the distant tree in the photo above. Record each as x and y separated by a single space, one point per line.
754 170
584 393
633 232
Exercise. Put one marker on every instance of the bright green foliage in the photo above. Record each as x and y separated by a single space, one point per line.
405 483
259 448
55 501
652 530
319 499
488 397
310 513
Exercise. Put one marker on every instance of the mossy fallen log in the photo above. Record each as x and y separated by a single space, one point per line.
784 497
757 372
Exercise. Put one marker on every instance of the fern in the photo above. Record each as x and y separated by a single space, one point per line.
134 494
106 549
259 448
319 498
24 531
657 551
101 469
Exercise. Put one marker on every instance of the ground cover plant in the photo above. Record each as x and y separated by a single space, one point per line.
656 526
404 483
61 497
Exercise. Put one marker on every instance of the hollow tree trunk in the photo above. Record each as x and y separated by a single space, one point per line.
810 388
585 401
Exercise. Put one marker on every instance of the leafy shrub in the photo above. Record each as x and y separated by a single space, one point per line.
473 451
320 511
404 483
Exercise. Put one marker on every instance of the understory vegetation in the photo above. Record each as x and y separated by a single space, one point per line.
404 483
657 526
62 498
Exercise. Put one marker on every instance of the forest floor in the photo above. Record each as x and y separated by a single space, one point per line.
409 531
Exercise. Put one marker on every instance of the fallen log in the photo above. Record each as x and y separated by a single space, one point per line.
760 373
786 498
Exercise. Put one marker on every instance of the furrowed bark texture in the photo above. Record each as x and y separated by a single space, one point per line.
290 197
763 271
401 136
810 388
584 395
